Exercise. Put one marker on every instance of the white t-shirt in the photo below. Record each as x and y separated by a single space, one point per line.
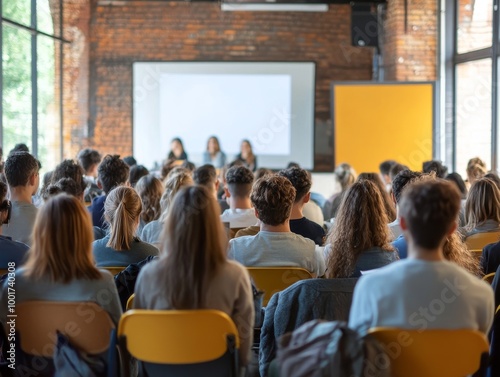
239 218
395 229
418 294
277 249
22 222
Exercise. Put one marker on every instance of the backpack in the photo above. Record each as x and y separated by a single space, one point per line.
330 349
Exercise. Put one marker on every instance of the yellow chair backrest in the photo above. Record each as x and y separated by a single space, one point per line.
114 270
176 336
480 240
130 302
86 324
489 278
275 279
432 353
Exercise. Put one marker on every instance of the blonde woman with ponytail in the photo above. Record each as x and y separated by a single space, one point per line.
121 247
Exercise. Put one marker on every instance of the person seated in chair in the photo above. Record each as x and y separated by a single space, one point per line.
424 291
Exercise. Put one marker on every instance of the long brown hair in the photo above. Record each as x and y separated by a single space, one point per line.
483 203
62 242
150 189
122 209
390 209
193 247
361 224
177 179
455 250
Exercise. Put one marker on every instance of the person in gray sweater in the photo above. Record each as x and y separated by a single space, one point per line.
121 247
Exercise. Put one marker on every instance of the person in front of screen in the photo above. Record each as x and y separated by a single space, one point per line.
213 155
177 150
246 155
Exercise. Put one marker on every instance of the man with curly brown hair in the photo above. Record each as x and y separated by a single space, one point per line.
275 245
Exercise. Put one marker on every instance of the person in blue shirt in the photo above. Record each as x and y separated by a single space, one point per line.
10 251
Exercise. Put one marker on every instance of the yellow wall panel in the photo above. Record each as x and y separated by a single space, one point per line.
374 122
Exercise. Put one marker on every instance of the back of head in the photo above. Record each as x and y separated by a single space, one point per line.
70 169
476 169
19 147
494 177
150 190
122 209
112 172
430 210
457 180
176 180
375 178
136 173
19 167
188 165
239 180
396 169
483 203
88 158
300 179
64 185
345 175
261 172
205 175
4 203
130 161
385 166
62 242
360 224
435 166
273 198
401 180
194 244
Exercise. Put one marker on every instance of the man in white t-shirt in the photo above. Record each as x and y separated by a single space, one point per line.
240 214
275 245
424 291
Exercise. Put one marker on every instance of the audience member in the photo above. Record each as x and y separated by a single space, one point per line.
455 250
261 172
177 150
121 247
389 206
89 159
70 169
240 214
136 173
482 208
64 185
275 245
494 177
206 175
21 171
360 239
246 156
193 271
130 161
345 175
385 168
476 169
424 291
459 182
177 179
111 173
396 169
150 191
60 266
19 147
436 167
213 155
189 166
299 224
10 251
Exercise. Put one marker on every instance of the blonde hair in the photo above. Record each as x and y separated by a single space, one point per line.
483 203
345 175
476 169
176 180
62 242
455 250
122 209
193 247
150 189
361 224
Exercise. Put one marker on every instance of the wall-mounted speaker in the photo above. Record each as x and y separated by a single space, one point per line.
364 25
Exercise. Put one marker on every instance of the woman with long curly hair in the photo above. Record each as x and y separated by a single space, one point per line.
150 189
360 238
455 250
390 209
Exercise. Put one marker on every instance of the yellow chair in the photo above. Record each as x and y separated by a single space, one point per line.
275 279
130 302
87 326
433 353
479 240
179 342
114 270
489 278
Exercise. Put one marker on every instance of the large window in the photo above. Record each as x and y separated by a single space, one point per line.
30 88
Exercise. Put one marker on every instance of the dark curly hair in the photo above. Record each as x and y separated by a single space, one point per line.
435 166
300 179
205 175
64 185
136 173
112 172
70 169
239 180
273 198
401 180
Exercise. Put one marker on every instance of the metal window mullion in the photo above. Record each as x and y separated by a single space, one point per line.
494 91
34 83
61 81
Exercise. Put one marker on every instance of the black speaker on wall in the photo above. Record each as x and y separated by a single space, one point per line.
364 25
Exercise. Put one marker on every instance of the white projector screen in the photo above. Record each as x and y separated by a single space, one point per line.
270 104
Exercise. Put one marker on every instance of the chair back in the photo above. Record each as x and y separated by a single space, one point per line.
87 326
479 240
432 353
275 279
489 278
130 302
178 338
114 270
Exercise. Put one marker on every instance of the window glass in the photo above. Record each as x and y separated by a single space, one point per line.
475 20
